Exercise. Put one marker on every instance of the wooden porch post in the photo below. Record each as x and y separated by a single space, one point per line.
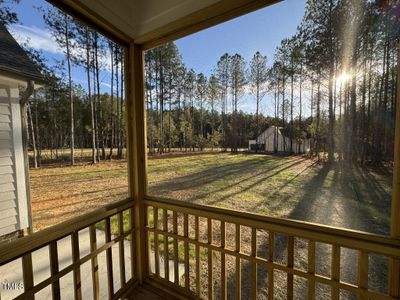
136 121
395 218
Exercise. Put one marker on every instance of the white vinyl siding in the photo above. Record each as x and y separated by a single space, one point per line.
13 194
8 197
268 136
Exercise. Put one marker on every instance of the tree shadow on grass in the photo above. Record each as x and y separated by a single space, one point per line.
202 178
280 257
342 195
286 165
304 208
347 192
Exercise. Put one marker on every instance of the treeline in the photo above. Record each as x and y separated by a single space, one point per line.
189 111
346 52
65 114
334 80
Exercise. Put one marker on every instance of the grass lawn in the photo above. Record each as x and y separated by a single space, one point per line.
290 187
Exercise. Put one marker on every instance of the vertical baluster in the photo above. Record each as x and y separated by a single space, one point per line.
186 246
94 262
335 267
133 239
77 270
394 274
210 260
290 264
196 229
311 269
271 246
156 246
121 249
55 286
176 258
166 250
362 272
238 264
149 242
27 273
254 264
223 267
109 261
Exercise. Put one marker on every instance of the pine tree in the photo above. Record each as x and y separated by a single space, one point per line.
237 83
258 78
222 74
62 28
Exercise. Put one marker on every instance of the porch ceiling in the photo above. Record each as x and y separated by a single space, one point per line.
153 22
138 17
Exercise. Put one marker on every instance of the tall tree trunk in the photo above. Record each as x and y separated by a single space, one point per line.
99 101
234 121
121 114
291 107
340 146
169 121
192 114
318 135
70 95
170 111
118 119
301 107
331 115
150 112
312 98
363 132
385 103
90 96
257 112
112 104
276 104
95 109
353 122
161 149
283 111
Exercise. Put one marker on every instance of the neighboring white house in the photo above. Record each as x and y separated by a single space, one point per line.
17 77
274 134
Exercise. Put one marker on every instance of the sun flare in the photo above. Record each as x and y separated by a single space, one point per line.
343 78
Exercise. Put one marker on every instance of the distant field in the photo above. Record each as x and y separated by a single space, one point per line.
292 187
62 155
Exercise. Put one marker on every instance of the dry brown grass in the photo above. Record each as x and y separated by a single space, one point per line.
293 187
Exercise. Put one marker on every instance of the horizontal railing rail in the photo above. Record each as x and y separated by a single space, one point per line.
115 220
182 237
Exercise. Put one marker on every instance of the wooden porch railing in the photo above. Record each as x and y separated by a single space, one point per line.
122 215
212 253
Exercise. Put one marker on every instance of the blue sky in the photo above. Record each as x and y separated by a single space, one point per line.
258 31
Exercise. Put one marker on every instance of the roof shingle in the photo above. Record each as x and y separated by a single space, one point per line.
13 58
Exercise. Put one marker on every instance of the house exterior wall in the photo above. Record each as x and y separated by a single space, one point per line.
283 143
251 142
270 138
13 193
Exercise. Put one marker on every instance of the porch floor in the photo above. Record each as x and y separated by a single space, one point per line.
141 293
